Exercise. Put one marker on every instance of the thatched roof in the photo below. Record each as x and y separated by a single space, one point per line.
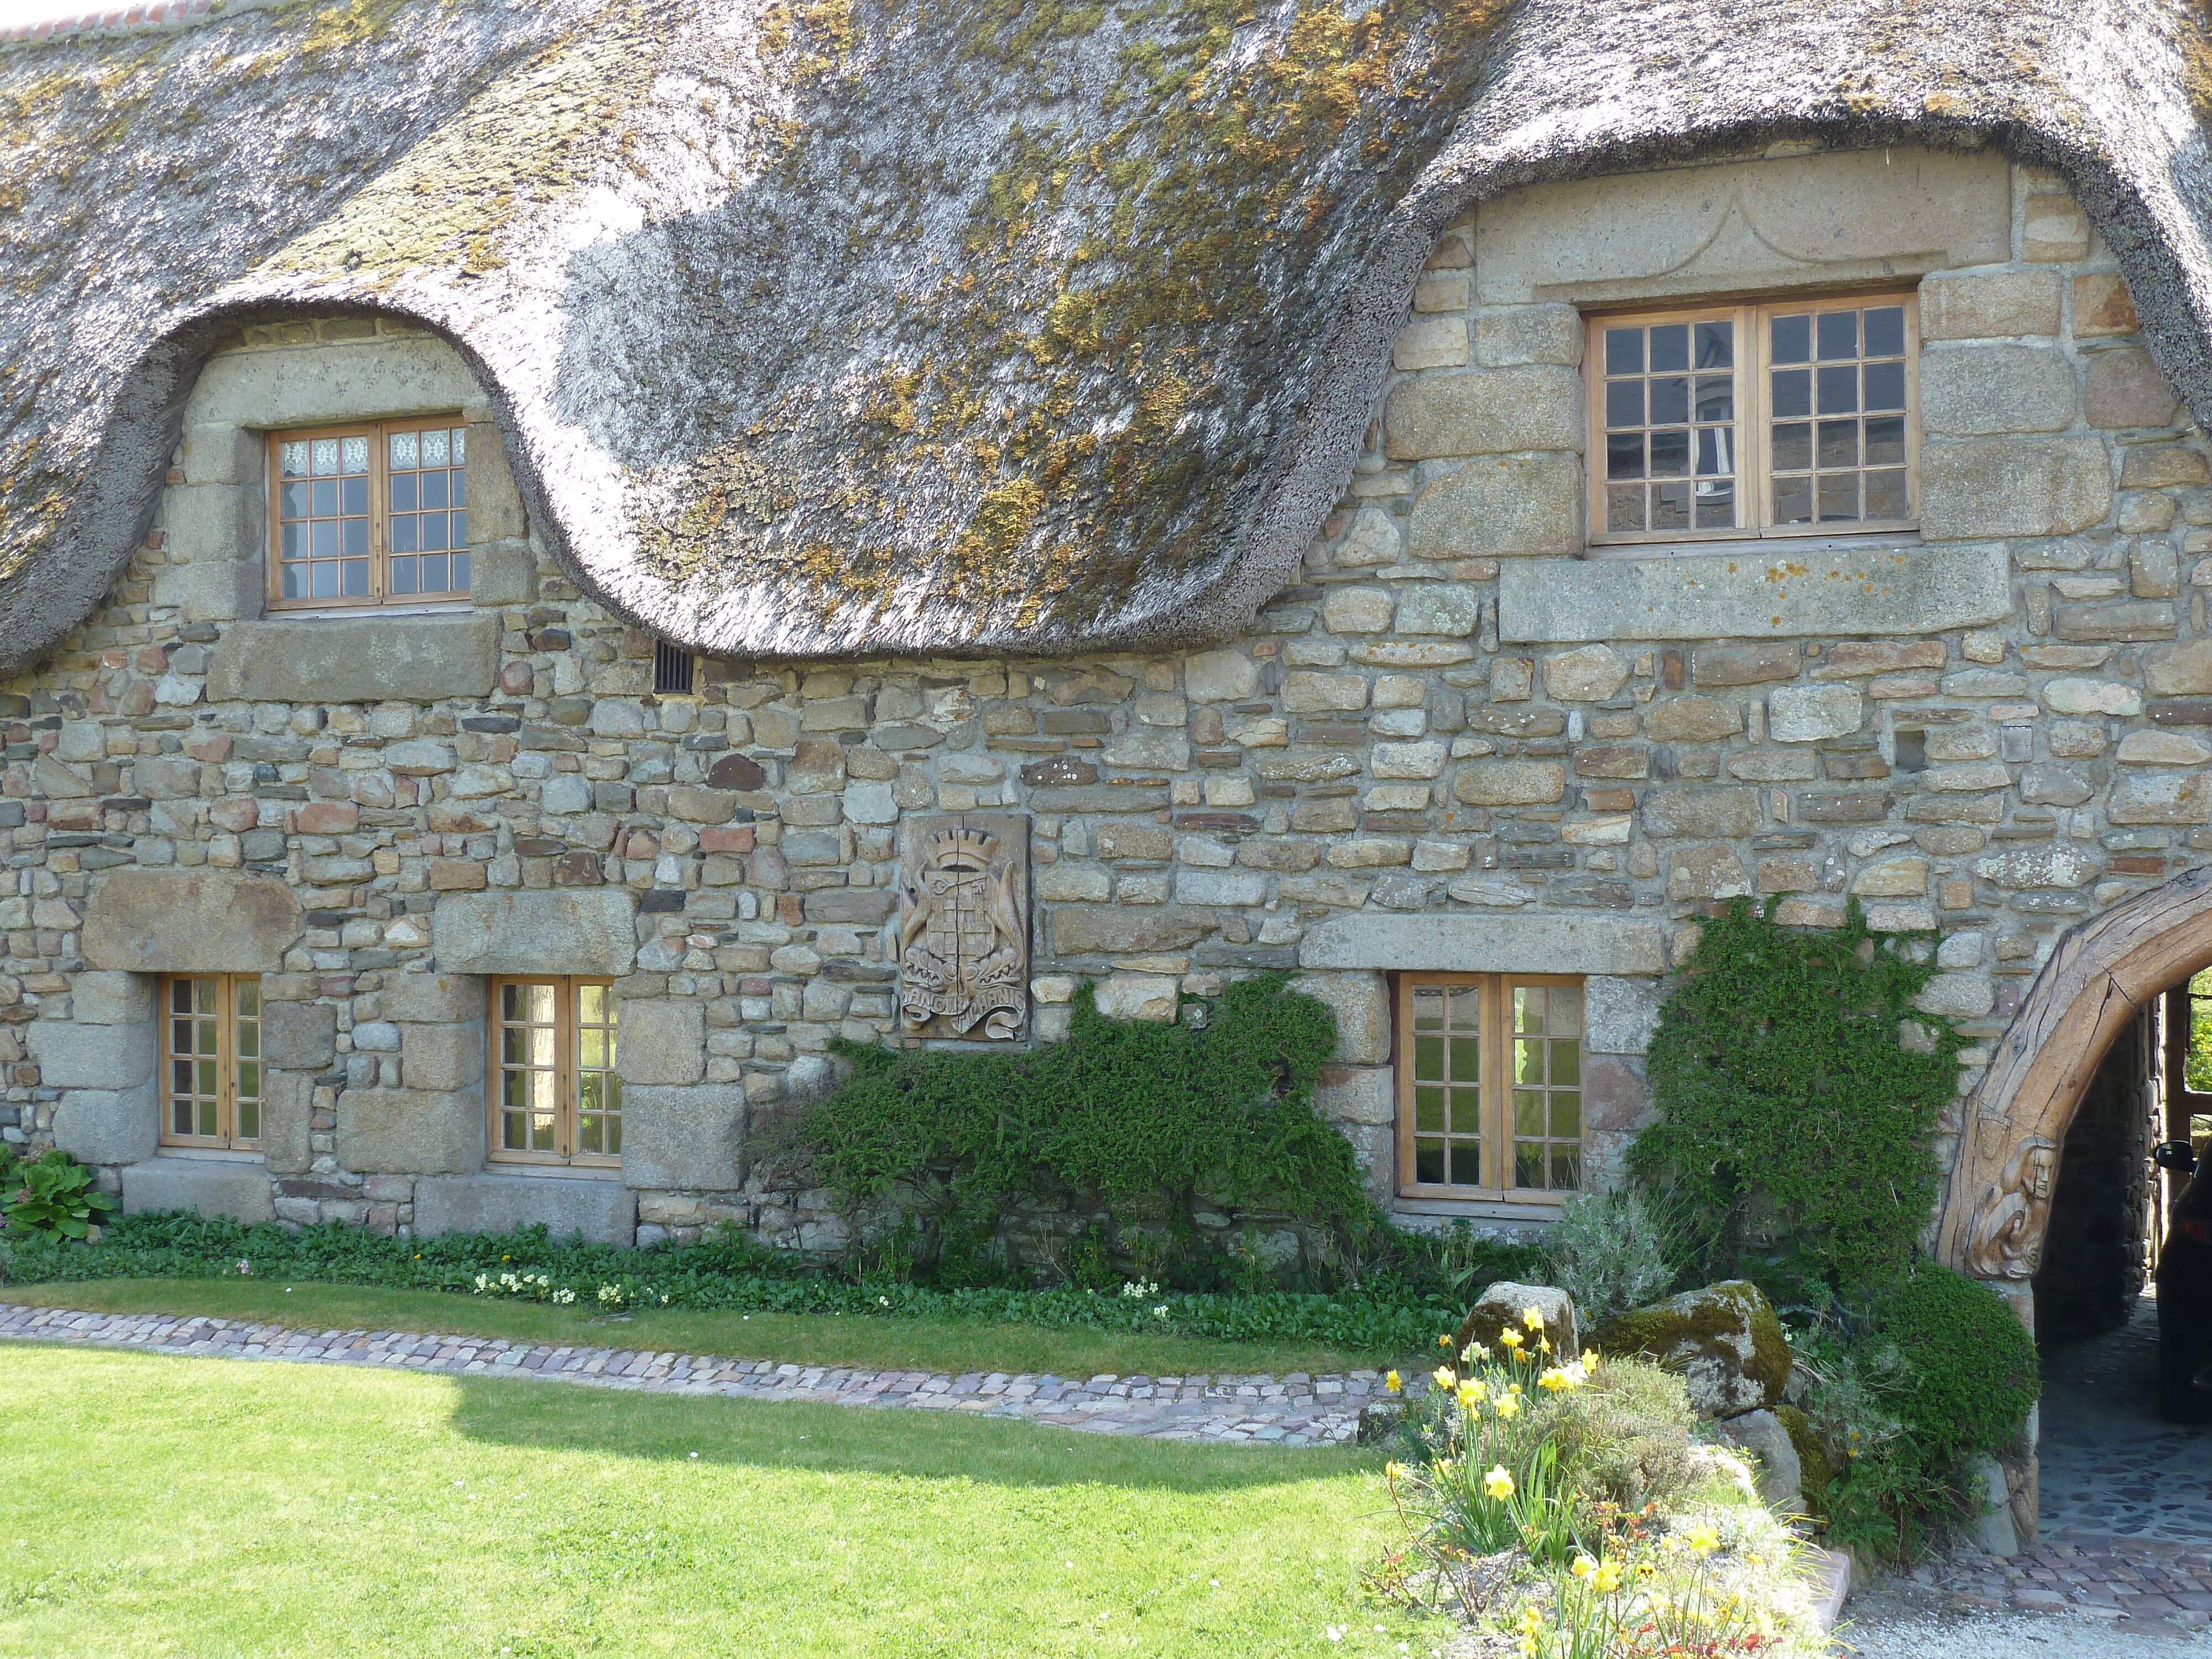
953 325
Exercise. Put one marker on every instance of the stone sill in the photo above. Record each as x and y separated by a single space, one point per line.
1753 590
1527 1212
554 1171
210 1155
363 612
1831 546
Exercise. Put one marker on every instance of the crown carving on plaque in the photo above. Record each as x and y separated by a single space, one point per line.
963 850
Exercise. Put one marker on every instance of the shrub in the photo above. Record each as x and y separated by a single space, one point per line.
1969 1371
1611 1252
1625 1438
1783 1087
57 1199
1146 1118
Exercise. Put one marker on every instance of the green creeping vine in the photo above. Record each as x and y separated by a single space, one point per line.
1782 1076
1150 1119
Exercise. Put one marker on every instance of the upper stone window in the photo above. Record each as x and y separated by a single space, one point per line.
369 515
1795 418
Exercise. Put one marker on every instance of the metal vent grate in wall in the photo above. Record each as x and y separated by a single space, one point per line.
672 668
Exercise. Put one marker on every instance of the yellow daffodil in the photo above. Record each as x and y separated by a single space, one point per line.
1553 1380
1532 1317
1499 1483
1703 1540
1608 1579
1444 1378
1583 1566
1512 1338
1443 1342
1390 1382
1545 1343
1589 1359
1531 1622
1507 1406
1393 1470
1470 1395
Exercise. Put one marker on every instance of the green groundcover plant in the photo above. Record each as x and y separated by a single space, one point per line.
50 1197
725 1270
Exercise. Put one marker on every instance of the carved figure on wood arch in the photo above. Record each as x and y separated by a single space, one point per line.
2005 1239
963 929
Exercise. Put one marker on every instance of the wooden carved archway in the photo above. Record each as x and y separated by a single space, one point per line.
2100 975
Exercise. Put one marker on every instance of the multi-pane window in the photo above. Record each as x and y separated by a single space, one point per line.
369 515
555 1096
211 1060
1791 419
1490 1086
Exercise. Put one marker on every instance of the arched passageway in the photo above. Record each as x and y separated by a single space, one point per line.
2051 1199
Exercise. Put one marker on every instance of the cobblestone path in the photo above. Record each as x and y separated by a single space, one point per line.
2126 1500
1292 1410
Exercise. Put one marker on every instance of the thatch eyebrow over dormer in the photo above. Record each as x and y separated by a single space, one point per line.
842 326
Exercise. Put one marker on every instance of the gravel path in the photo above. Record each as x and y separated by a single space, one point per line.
1890 1621
1293 1410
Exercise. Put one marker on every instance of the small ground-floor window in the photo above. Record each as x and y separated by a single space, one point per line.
555 1096
211 1060
1490 1081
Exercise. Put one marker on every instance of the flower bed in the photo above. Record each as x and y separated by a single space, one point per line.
1559 1504
713 1272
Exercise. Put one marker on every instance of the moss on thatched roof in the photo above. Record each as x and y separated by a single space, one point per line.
932 327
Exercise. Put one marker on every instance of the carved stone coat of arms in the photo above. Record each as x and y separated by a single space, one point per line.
963 936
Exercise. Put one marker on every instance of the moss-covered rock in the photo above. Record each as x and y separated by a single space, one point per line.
1723 1341
1815 1468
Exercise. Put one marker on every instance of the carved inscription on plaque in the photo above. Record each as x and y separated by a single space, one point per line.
963 929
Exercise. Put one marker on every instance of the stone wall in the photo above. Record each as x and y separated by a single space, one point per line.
1451 742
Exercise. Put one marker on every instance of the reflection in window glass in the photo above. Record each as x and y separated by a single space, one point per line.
1670 433
1836 407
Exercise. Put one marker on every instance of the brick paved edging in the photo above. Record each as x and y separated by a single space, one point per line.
1293 1410
2144 1579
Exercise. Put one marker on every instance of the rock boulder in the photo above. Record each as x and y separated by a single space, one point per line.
1507 1303
1723 1341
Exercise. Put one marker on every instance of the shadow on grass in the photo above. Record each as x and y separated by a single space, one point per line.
888 1441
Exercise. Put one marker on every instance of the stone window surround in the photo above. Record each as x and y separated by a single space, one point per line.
216 513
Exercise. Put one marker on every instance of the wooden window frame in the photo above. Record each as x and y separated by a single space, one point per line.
566 1068
226 1138
1755 469
378 433
1496 1082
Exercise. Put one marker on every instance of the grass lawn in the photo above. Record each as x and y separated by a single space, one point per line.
158 1505
813 1339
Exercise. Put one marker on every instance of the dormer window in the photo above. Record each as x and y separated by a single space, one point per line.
369 515
1796 418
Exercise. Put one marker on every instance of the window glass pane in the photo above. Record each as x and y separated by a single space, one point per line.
1670 348
1624 403
1466 1163
1623 351
1716 397
1529 1008
353 495
1466 1111
1840 497
1528 1061
1528 1111
1839 388
1624 507
1885 385
1466 1059
433 489
1885 331
1792 447
1886 495
353 454
355 582
1429 1058
1670 453
325 455
434 448
405 452
1838 335
1839 444
399 532
1793 501
295 462
356 539
1428 1010
460 445
1670 506
1792 393
1624 458
1717 505
1429 1162
402 492
1528 1164
323 497
1712 452
1566 1062
1670 400
323 536
1563 1010
456 576
1429 1109
1792 339
1467 1009
402 574
1716 345
326 581
433 532
1566 1169
433 574
1567 1116
1885 441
